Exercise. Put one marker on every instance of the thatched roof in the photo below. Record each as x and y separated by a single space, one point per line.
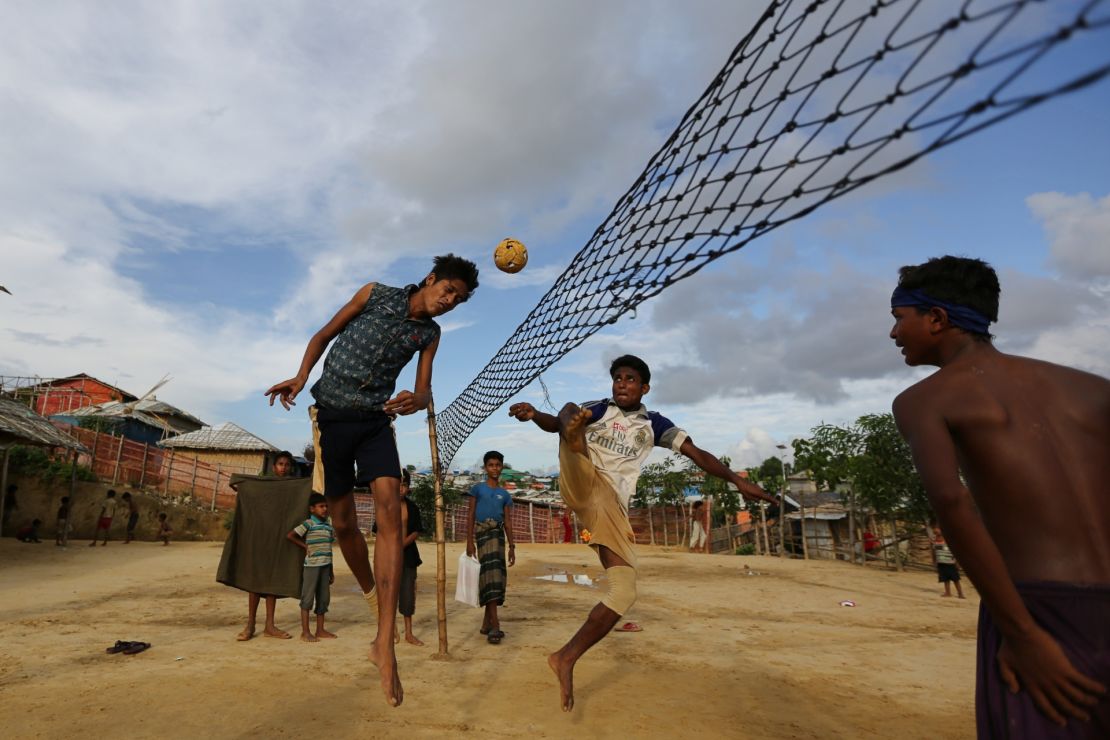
19 425
226 436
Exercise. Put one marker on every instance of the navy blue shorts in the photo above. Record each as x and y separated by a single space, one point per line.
352 438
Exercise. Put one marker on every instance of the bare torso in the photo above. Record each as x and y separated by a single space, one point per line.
1033 444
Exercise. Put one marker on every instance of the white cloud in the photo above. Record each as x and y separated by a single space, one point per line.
1078 230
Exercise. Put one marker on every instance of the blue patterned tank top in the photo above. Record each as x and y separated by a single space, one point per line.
361 368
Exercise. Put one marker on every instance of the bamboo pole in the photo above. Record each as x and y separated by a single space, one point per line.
169 472
72 494
193 485
216 486
142 473
441 544
531 524
651 524
664 510
119 454
4 486
802 522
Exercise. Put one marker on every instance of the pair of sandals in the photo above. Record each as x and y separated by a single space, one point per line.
128 648
493 637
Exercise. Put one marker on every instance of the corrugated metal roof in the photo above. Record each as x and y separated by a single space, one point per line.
153 412
226 436
20 425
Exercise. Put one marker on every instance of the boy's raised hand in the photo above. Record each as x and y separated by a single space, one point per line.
522 411
286 391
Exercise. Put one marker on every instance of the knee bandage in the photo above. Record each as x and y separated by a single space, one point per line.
372 601
622 588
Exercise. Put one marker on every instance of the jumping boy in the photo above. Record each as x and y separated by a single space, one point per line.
1031 527
104 521
315 535
602 446
376 334
488 515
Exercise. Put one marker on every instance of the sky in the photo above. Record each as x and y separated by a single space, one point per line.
192 189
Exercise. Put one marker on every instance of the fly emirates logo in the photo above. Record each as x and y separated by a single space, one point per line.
615 439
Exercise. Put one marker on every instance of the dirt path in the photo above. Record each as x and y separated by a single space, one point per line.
723 653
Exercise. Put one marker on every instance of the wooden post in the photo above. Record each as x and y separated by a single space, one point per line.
72 493
651 524
169 472
782 520
142 473
531 524
441 544
119 454
216 486
193 485
897 554
802 521
664 510
852 527
4 486
766 535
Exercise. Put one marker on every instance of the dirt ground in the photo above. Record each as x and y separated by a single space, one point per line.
743 647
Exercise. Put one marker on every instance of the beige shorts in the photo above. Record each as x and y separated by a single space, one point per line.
592 497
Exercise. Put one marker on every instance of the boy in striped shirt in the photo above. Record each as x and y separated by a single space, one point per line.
315 535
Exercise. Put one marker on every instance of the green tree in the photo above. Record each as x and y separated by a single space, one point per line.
726 499
423 494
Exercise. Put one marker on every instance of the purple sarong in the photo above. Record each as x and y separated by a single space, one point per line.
1078 617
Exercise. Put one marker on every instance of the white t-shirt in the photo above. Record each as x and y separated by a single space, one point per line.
620 441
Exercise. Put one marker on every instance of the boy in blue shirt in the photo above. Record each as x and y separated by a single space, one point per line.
315 536
376 334
488 526
602 446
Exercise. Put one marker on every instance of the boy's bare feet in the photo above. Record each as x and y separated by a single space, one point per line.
413 639
246 634
565 674
323 634
275 632
390 680
309 637
573 430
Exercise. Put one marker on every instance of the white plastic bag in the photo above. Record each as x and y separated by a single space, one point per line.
466 587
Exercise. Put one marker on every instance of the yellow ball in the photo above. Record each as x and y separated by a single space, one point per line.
510 256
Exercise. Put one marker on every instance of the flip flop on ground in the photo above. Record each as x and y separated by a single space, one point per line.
494 637
119 647
629 627
136 647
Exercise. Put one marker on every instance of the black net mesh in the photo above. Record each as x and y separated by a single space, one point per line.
818 99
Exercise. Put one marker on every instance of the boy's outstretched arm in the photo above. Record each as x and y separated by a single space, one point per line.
527 412
1029 657
710 464
409 402
295 538
287 390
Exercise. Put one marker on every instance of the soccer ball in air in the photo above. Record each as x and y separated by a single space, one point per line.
510 256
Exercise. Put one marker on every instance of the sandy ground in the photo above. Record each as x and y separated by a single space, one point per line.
732 647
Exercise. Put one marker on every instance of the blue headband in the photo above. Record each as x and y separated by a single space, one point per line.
959 316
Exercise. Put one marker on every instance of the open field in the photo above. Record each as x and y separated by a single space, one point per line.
722 654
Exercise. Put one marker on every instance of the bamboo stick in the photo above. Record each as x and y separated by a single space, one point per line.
441 544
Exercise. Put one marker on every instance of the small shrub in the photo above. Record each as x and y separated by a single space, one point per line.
748 549
35 461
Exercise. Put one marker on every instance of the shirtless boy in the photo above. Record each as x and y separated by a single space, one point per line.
1031 528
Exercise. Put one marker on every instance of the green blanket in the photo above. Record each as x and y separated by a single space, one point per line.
257 557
